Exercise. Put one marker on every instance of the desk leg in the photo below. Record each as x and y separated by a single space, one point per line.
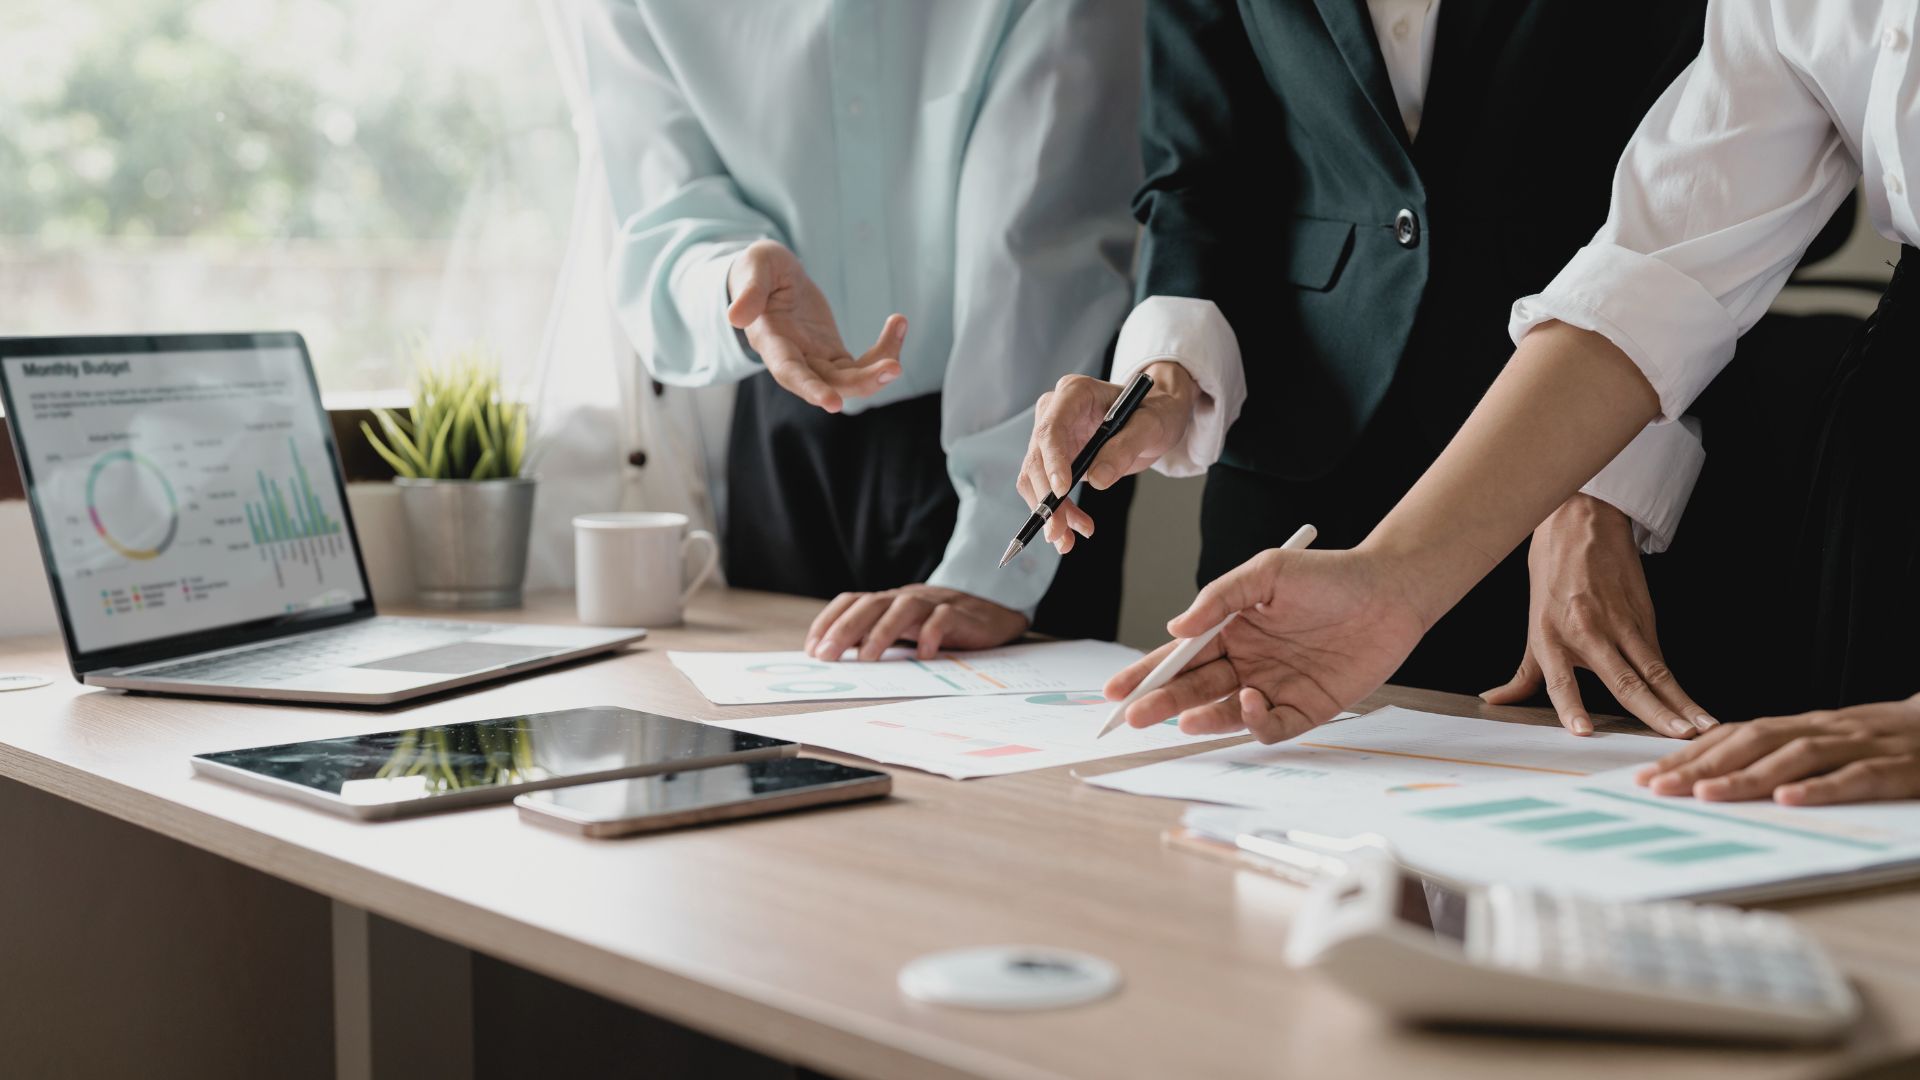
402 1001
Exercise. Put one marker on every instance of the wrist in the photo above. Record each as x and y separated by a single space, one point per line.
1170 377
1428 578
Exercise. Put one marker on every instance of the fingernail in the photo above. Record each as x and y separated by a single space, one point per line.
1582 726
1704 722
887 377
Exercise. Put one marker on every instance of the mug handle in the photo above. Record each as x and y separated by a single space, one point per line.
694 539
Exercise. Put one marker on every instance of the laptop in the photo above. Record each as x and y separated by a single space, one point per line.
194 526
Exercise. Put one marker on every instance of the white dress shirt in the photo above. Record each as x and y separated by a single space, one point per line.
966 163
1194 333
1732 174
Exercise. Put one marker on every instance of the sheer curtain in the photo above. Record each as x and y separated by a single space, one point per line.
596 404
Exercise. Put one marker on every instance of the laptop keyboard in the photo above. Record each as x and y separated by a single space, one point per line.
345 646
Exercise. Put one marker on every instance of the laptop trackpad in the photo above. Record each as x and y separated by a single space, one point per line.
460 658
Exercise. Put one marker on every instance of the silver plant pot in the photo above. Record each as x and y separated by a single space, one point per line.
469 540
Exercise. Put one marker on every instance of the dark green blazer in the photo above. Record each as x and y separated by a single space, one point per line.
1281 185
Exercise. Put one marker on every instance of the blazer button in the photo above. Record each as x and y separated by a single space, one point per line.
1406 229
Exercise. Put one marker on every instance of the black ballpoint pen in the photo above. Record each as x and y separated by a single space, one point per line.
1116 418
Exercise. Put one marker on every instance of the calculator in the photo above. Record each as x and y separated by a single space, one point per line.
1433 953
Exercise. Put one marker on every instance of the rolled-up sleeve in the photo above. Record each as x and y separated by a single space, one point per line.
1041 280
680 218
1725 183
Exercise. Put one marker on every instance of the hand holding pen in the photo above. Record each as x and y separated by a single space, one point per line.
1066 421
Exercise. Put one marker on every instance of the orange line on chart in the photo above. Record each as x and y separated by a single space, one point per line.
1448 760
977 674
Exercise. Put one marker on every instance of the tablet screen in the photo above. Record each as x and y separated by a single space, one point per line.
511 753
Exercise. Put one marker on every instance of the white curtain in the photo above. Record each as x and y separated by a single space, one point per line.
595 403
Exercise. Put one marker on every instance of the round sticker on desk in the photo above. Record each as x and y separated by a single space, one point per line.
22 682
1009 977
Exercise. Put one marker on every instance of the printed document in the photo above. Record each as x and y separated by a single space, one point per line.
740 678
965 737
1390 752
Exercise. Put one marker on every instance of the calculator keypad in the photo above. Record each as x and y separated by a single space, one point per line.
1693 951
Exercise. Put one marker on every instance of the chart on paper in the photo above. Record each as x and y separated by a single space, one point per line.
1060 668
965 737
1390 752
1606 836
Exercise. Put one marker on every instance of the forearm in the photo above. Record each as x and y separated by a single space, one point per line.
1568 401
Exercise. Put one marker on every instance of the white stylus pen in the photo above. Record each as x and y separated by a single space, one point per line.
1189 648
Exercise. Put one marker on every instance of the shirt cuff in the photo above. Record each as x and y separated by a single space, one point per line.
972 560
1652 479
1194 334
1667 323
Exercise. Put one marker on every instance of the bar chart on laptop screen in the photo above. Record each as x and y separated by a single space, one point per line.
183 491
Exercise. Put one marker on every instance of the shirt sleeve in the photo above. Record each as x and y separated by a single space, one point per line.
1042 267
679 217
1723 186
1652 479
1194 334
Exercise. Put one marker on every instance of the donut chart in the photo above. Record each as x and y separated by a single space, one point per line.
1072 698
786 668
132 505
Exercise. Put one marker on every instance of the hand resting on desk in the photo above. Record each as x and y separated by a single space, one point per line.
1845 755
933 617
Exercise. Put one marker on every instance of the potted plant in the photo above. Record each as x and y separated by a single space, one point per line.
457 456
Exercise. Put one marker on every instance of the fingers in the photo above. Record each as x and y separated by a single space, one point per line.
1067 520
1803 757
934 631
1876 778
1563 691
1272 723
1684 755
1198 685
1135 673
1236 590
1646 658
1524 684
1630 689
827 617
1752 742
852 625
1063 420
874 369
784 363
901 619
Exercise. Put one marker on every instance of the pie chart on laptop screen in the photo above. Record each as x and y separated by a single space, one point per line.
1070 698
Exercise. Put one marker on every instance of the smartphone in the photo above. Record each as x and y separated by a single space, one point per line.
700 796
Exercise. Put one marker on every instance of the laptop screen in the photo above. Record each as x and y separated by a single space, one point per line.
180 486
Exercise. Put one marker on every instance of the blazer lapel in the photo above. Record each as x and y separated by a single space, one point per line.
1352 29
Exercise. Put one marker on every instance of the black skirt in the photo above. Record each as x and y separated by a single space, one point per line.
1791 582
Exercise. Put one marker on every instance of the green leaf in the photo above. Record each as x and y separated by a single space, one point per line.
400 467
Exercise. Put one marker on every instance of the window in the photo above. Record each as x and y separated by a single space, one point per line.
362 171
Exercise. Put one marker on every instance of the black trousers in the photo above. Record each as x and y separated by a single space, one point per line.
1475 646
819 504
1791 583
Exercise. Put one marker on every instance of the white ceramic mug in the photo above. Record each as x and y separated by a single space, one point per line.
632 567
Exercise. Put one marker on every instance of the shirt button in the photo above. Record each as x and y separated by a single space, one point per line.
1894 186
1406 229
1400 27
1894 39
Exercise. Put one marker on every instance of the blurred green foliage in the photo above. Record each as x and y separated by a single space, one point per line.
252 119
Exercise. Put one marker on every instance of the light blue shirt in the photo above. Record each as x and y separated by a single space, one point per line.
968 163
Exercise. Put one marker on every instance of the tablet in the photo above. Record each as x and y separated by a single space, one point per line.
424 769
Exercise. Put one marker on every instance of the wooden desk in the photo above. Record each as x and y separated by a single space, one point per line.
785 935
